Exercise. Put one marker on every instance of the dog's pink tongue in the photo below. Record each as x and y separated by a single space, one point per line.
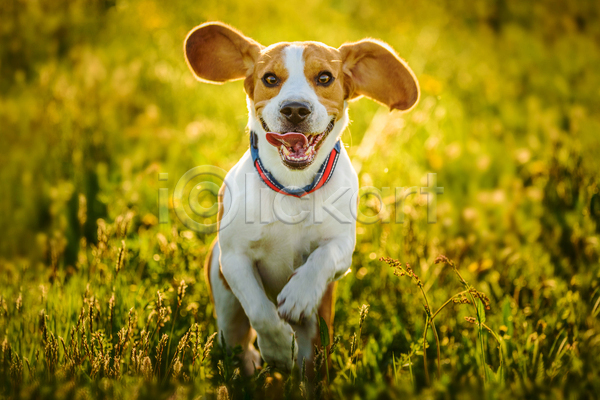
294 140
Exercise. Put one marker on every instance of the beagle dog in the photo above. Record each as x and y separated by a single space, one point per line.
287 209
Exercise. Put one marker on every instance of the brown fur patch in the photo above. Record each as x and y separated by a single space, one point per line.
207 267
219 217
319 58
207 261
327 312
220 197
270 61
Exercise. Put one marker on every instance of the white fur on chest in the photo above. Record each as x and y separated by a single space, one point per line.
278 232
280 250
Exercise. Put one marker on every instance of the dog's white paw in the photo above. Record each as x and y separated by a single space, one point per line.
276 346
300 298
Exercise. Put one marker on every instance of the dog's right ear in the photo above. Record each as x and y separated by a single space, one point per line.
218 53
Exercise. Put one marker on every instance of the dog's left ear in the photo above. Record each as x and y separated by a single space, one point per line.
218 53
373 69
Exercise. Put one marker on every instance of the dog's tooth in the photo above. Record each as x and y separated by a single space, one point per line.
310 151
285 150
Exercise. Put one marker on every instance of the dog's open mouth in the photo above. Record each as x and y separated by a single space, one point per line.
298 150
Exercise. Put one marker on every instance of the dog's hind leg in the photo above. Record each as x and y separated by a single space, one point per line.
308 334
231 318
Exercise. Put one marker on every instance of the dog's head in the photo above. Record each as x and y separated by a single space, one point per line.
298 92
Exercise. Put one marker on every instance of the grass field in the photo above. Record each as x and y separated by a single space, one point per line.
100 300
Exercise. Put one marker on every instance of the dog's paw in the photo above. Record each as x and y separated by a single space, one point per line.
276 347
300 298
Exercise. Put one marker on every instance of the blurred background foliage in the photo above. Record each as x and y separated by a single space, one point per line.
96 100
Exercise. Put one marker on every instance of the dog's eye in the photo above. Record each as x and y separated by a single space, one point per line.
270 80
324 78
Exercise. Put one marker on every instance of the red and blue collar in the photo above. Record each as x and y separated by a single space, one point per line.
321 178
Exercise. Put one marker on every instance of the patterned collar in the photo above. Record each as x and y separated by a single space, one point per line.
323 175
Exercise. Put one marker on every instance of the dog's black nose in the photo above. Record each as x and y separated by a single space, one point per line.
295 112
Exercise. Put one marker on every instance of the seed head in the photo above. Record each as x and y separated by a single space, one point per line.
336 341
482 296
120 257
146 368
159 299
43 290
197 347
111 307
160 347
181 292
319 358
208 346
364 310
19 302
460 299
443 259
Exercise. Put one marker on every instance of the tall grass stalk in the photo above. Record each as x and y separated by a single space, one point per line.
478 300
180 295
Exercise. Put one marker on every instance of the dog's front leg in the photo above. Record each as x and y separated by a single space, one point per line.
274 335
302 295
